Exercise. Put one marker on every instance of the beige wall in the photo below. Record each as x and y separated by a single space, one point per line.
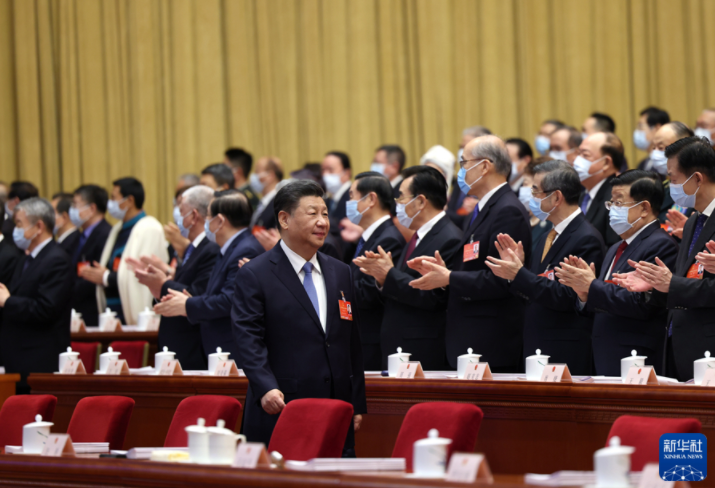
91 90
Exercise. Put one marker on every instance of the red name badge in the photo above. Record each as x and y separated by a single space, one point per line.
173 263
548 274
346 310
256 229
115 264
471 251
81 266
696 271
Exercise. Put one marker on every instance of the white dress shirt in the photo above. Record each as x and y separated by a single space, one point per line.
565 223
200 238
709 209
395 182
629 241
65 235
40 247
593 191
370 230
483 201
267 198
298 262
424 230
341 191
224 248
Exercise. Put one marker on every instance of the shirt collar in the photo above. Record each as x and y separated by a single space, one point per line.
632 238
565 223
396 181
422 231
130 223
339 194
370 230
593 191
40 247
200 238
86 232
64 236
226 244
269 196
483 201
297 261
709 209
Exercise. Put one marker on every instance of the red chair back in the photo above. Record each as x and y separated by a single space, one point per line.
644 433
457 421
89 354
101 419
311 428
208 407
135 352
19 410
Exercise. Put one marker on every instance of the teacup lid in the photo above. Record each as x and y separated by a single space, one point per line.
147 311
109 312
166 351
75 313
615 448
38 423
219 352
470 355
69 352
199 428
400 354
220 428
538 355
433 439
110 352
634 355
706 359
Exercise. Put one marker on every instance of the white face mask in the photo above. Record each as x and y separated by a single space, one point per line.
703 132
332 183
583 165
402 216
659 161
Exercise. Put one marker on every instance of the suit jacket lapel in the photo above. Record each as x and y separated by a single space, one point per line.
705 235
375 235
422 243
607 261
598 199
561 241
688 231
471 229
332 294
622 263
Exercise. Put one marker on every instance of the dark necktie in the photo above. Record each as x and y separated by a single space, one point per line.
188 252
360 245
622 247
699 224
474 214
584 202
410 247
28 261
82 241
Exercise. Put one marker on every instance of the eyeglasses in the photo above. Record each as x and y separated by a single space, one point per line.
534 192
464 161
404 198
618 204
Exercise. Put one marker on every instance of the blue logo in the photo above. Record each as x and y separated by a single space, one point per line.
683 457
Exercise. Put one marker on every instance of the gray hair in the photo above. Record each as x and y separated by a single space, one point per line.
491 149
198 197
476 131
37 208
560 175
190 179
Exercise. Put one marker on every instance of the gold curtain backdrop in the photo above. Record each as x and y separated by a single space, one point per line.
92 90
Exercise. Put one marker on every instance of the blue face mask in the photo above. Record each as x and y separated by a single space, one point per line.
179 221
75 216
618 219
525 195
378 168
351 210
22 242
209 235
114 209
677 193
402 216
542 144
255 182
660 162
535 207
463 174
640 140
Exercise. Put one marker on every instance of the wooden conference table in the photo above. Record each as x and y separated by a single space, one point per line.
106 338
528 427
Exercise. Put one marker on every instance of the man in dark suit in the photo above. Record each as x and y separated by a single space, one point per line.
414 319
551 322
369 206
600 156
689 289
623 320
227 226
36 303
481 311
89 204
389 161
19 191
192 274
650 120
296 330
265 180
9 258
336 178
66 232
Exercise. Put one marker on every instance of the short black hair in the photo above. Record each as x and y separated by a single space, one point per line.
288 198
645 186
655 116
344 158
604 122
131 187
693 154
240 158
94 194
560 175
233 205
554 122
614 147
221 174
372 181
394 153
428 182
22 190
65 202
524 147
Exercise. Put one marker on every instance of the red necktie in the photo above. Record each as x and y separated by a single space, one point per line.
619 251
410 247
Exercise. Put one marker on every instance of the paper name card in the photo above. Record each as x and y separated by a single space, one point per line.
226 368
556 373
251 455
74 366
58 445
410 369
641 375
152 324
468 468
110 325
709 378
117 367
477 371
650 478
77 325
170 367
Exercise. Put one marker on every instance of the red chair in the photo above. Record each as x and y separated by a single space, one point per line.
208 407
89 354
644 433
457 421
312 428
101 419
19 410
135 352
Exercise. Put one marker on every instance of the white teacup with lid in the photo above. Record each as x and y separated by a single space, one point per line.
145 318
34 435
222 443
612 464
215 358
535 365
429 458
394 360
700 366
164 355
464 360
70 355
633 360
198 442
107 357
106 319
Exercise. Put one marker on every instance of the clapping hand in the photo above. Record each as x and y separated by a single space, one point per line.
377 265
656 275
433 270
575 273
707 257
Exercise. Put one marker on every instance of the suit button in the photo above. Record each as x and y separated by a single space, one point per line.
327 380
327 344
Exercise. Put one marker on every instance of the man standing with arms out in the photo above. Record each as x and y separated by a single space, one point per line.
390 161
293 321
369 207
481 311
265 180
241 162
